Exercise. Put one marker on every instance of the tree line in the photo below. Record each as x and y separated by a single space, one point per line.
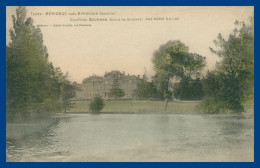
227 88
34 85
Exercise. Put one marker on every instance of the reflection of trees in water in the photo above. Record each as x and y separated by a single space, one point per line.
38 142
173 135
236 131
164 127
162 122
230 128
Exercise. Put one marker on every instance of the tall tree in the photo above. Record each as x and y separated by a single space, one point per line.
116 92
31 81
173 60
231 84
26 64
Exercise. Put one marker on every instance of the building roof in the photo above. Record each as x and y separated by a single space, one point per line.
111 75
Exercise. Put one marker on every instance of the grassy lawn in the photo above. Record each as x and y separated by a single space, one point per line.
139 106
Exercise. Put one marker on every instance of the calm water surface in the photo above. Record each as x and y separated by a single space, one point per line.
138 137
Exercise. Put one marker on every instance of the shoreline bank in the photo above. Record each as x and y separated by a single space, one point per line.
139 106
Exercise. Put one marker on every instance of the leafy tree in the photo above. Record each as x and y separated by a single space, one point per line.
97 104
189 89
115 91
67 89
229 86
27 67
173 60
146 90
32 83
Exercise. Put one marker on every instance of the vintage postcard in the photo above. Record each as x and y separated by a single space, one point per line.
130 84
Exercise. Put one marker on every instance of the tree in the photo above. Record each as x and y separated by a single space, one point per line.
32 83
146 90
67 89
173 60
189 89
115 91
27 67
231 84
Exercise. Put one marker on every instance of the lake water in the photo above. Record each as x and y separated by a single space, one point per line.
138 137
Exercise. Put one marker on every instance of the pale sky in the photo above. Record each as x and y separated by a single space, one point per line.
127 45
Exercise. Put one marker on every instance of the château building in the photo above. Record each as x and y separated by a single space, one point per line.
100 85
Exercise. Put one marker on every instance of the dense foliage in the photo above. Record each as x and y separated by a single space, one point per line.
97 104
231 86
32 83
146 90
188 89
116 92
174 61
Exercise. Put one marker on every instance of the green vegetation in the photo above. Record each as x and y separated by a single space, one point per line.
33 85
146 90
173 61
115 91
125 106
188 89
230 87
96 105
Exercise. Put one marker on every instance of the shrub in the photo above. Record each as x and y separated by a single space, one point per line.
97 104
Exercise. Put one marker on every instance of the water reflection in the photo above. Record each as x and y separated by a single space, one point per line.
134 137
